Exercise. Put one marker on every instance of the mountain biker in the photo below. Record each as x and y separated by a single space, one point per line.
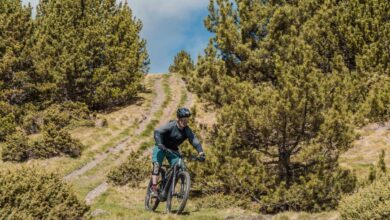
170 136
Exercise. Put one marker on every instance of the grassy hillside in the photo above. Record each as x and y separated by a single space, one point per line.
372 139
132 126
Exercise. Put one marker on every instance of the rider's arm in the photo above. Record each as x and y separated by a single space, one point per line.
158 133
193 140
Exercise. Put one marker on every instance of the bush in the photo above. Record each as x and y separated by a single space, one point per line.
133 171
55 143
16 147
68 113
371 202
32 122
7 125
28 193
313 192
65 114
6 108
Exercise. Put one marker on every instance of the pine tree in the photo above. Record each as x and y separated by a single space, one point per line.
291 79
182 64
88 51
16 84
117 76
57 55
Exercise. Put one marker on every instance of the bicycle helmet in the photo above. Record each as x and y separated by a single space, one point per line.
183 113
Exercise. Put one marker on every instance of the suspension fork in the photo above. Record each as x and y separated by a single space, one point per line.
173 180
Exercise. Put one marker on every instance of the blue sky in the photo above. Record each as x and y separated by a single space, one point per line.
169 26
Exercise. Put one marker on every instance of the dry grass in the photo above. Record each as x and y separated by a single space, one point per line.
366 150
306 216
97 140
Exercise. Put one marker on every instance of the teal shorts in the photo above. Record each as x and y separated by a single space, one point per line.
158 156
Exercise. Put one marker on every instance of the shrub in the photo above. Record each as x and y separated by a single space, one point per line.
28 193
314 192
6 108
370 202
133 171
65 114
68 113
55 143
15 148
32 122
7 125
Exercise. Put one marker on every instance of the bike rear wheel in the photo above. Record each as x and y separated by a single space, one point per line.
178 194
151 203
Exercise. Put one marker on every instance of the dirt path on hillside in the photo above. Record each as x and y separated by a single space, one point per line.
167 114
172 106
156 103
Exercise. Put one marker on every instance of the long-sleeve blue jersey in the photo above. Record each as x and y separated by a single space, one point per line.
171 136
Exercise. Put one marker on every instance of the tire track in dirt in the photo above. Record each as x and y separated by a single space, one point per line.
171 108
157 101
167 113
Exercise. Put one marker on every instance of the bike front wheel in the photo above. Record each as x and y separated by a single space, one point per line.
151 203
178 193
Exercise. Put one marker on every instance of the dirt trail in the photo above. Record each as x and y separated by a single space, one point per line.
96 192
157 101
171 108
167 114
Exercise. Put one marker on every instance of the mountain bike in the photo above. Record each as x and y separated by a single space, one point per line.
173 186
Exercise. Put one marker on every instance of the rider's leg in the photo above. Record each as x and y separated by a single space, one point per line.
155 172
157 159
172 159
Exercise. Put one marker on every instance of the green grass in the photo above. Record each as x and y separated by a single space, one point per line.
167 90
183 97
146 144
306 216
126 203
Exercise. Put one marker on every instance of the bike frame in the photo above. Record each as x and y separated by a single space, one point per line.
167 184
170 176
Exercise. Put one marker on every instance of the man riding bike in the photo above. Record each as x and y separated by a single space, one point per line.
170 136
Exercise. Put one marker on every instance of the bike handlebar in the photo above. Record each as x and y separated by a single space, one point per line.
191 157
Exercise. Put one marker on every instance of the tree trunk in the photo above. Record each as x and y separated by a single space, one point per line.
284 166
